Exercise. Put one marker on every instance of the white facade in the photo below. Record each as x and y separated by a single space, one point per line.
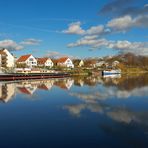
67 63
9 59
49 63
30 61
45 62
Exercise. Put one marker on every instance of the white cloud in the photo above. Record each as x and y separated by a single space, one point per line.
31 41
74 28
139 48
10 45
121 23
126 22
92 41
95 30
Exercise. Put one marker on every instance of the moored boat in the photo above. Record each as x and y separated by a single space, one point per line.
110 72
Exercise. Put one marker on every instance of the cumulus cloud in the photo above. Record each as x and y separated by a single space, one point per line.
95 30
10 45
31 41
139 48
92 41
74 28
126 22
121 23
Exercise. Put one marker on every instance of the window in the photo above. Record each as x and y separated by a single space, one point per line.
31 59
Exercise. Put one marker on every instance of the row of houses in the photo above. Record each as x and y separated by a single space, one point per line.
8 60
31 61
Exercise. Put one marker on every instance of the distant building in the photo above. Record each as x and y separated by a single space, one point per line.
47 62
6 59
78 63
65 62
115 63
100 63
28 60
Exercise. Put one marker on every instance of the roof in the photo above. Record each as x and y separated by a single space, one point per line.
42 60
23 58
62 60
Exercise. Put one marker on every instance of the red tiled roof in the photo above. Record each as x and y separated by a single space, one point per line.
23 58
62 60
42 60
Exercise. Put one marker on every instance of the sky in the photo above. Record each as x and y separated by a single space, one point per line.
74 28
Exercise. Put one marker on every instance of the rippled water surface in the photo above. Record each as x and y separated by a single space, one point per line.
75 112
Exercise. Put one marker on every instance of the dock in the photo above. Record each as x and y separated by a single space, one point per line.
21 76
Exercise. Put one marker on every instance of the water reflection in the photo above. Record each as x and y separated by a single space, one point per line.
116 106
103 87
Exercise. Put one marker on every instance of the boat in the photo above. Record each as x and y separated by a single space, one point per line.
111 72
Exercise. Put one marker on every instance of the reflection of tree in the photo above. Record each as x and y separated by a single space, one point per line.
128 82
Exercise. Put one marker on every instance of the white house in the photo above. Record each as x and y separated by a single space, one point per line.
65 62
78 63
29 60
47 62
115 63
6 59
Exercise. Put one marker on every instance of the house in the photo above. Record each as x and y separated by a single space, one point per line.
6 59
115 63
47 62
100 63
65 62
78 63
28 60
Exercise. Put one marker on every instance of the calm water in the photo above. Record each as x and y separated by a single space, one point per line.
80 112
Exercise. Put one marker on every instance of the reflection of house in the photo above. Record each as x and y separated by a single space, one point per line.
6 59
47 62
28 60
65 62
78 63
64 84
7 91
27 90
45 86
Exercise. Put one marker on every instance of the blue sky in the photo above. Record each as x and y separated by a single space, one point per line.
77 28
